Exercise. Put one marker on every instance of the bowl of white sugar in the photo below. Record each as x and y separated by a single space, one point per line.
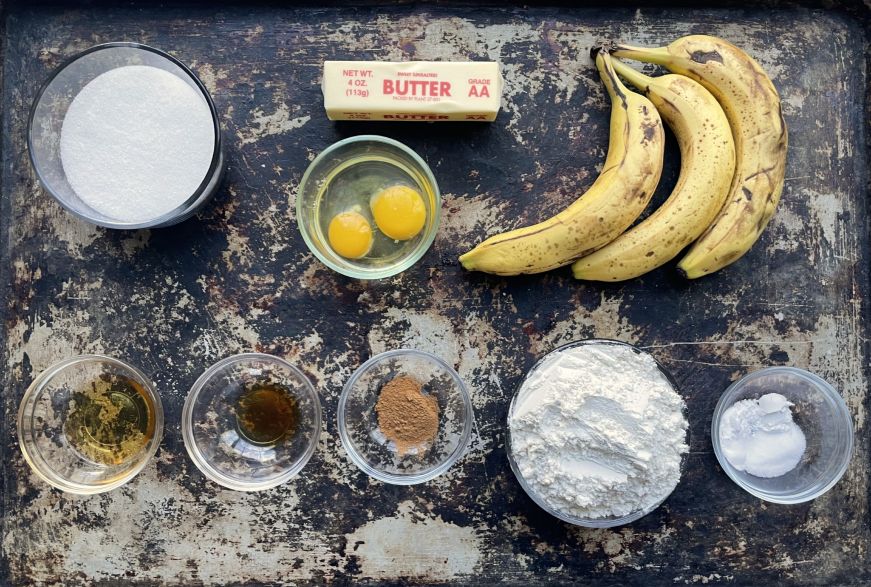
783 434
126 136
597 433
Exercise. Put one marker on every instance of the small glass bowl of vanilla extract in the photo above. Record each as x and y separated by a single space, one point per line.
251 421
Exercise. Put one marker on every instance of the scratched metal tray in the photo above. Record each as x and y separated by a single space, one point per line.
239 278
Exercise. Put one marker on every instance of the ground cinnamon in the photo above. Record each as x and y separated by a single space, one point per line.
407 417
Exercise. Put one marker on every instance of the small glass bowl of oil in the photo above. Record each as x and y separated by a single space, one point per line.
89 424
251 421
368 207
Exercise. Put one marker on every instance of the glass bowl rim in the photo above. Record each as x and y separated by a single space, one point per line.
206 467
393 478
154 222
38 463
832 398
609 522
424 244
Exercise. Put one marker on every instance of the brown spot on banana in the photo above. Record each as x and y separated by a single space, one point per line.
705 56
766 171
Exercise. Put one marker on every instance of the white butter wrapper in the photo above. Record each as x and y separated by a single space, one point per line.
424 91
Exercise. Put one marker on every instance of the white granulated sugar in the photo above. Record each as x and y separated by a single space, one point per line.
598 431
136 143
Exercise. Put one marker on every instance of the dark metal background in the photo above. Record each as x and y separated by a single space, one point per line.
239 278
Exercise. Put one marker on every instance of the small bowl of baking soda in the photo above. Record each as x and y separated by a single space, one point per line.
126 136
783 434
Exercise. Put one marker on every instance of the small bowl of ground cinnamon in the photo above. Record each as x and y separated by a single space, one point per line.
405 417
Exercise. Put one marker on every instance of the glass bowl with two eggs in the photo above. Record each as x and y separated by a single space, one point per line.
368 207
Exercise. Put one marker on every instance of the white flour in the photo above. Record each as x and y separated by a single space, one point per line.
598 431
136 142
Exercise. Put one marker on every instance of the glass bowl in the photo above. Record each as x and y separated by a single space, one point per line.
251 422
366 444
89 424
603 522
824 419
49 110
334 176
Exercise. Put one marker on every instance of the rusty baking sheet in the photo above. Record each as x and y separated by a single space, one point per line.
239 277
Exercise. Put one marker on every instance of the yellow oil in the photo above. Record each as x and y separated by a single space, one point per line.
112 420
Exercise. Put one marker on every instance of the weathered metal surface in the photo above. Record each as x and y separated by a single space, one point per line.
239 278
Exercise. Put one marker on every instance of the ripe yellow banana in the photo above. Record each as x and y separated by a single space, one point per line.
707 154
752 106
619 195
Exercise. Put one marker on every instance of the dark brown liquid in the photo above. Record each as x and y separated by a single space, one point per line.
111 420
267 413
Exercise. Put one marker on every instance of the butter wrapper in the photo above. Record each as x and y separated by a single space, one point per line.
424 91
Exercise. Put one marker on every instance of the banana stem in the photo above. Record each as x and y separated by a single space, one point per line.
658 55
615 87
633 76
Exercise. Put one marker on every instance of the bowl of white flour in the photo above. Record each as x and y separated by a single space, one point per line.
597 433
126 136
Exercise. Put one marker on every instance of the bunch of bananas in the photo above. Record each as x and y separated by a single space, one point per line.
726 115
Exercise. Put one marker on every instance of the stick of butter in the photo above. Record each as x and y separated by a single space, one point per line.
412 90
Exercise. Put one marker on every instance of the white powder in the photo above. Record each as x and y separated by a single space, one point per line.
759 437
598 431
136 142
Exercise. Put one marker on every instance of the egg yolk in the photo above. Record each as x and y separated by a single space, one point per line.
350 235
399 212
